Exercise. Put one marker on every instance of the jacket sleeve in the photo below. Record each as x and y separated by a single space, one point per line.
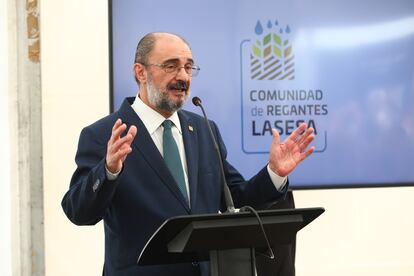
90 192
257 191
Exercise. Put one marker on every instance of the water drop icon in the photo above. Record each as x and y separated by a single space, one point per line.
259 28
269 24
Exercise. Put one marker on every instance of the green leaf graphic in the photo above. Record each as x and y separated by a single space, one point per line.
266 39
277 39
256 51
277 51
285 42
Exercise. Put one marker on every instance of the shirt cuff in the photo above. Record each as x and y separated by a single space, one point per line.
111 176
278 181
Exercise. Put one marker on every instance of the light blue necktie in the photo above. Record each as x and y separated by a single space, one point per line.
172 157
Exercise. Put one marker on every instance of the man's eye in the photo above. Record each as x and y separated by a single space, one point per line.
170 67
188 68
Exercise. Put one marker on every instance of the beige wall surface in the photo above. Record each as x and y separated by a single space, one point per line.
75 93
362 232
5 204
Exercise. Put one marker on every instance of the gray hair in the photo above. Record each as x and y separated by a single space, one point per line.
144 48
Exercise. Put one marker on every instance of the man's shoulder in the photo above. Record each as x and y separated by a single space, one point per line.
190 115
109 120
105 122
101 129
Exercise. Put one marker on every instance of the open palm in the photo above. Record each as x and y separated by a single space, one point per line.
285 157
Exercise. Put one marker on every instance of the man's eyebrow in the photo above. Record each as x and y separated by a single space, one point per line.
177 60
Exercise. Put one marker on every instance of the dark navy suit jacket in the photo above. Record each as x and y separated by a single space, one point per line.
144 195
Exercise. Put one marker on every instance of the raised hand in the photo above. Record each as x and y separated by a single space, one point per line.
285 157
119 147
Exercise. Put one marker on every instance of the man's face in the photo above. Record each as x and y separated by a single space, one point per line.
169 98
166 92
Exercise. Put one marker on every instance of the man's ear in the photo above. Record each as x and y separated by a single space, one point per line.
140 72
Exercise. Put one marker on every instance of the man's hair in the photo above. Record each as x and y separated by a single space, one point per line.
146 45
144 48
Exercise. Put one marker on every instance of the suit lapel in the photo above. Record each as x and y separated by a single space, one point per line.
190 139
144 145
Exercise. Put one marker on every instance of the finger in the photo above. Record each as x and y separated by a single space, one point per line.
276 137
306 138
126 140
118 122
119 159
297 132
306 143
116 157
307 153
117 130
132 131
129 137
305 135
128 151
114 144
122 153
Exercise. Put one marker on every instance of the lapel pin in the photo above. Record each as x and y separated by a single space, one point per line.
190 128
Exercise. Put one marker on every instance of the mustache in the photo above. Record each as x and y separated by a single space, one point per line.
178 85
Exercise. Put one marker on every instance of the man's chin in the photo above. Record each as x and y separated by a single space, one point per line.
179 103
172 105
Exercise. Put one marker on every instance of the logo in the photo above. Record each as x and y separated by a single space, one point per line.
271 55
273 96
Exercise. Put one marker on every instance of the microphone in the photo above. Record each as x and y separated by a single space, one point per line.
227 195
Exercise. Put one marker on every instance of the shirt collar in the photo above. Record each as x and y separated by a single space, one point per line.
151 118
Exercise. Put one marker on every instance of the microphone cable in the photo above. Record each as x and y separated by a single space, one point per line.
270 254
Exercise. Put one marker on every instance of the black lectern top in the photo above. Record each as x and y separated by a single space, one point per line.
190 238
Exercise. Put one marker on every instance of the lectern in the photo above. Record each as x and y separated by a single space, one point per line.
228 240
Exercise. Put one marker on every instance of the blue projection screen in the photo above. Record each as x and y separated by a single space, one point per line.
345 68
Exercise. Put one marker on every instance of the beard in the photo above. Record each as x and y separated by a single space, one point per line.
159 98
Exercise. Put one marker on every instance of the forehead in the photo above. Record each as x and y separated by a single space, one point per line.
169 47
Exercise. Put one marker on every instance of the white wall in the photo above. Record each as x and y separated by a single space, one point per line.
74 93
5 210
363 231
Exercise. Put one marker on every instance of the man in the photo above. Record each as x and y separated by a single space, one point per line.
124 174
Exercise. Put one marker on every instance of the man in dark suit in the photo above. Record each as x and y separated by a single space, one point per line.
150 161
